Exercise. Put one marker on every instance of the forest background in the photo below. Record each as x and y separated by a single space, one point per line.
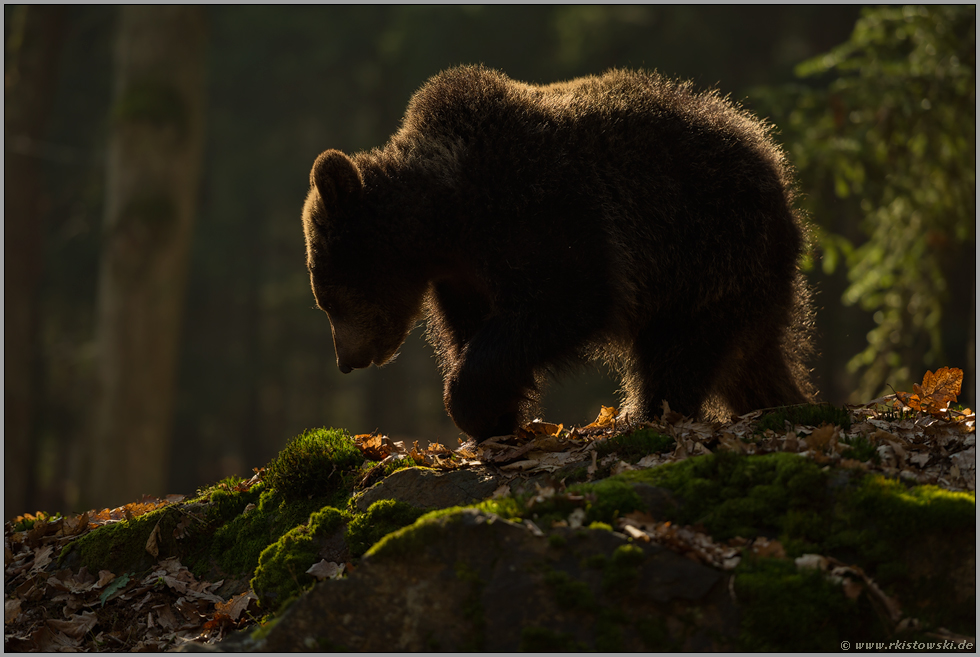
157 343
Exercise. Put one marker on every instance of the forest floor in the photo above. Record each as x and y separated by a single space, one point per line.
916 438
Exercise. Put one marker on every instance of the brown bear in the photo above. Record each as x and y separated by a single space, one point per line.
624 217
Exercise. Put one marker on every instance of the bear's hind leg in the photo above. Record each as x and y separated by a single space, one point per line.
673 361
764 372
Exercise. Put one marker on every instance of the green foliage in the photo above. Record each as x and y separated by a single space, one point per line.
809 415
632 447
893 137
382 518
319 462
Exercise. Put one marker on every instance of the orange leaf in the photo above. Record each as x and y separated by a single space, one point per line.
607 417
939 389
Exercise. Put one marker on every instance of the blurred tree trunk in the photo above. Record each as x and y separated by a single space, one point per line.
154 166
33 45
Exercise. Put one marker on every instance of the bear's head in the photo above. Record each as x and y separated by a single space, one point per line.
354 267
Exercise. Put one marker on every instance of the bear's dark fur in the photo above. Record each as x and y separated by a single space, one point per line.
624 217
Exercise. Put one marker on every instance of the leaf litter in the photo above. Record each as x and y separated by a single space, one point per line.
60 610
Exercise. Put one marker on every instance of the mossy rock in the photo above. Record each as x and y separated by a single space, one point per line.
281 571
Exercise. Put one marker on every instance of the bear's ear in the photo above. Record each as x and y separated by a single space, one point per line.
335 178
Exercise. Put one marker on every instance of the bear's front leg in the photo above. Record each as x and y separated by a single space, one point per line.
489 386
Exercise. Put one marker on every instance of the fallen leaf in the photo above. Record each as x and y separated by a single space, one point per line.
326 570
11 610
606 418
823 438
239 603
75 627
151 542
75 524
114 588
42 558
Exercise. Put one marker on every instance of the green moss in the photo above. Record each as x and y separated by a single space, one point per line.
608 634
281 571
236 545
509 507
472 609
557 541
398 464
632 447
622 569
327 520
596 561
262 630
382 518
570 593
812 415
121 547
415 537
733 495
607 499
785 609
282 568
889 526
541 639
319 462
882 525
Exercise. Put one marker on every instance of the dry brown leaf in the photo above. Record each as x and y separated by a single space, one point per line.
372 446
180 531
75 524
75 627
11 610
151 542
237 605
326 570
606 418
822 438
935 394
